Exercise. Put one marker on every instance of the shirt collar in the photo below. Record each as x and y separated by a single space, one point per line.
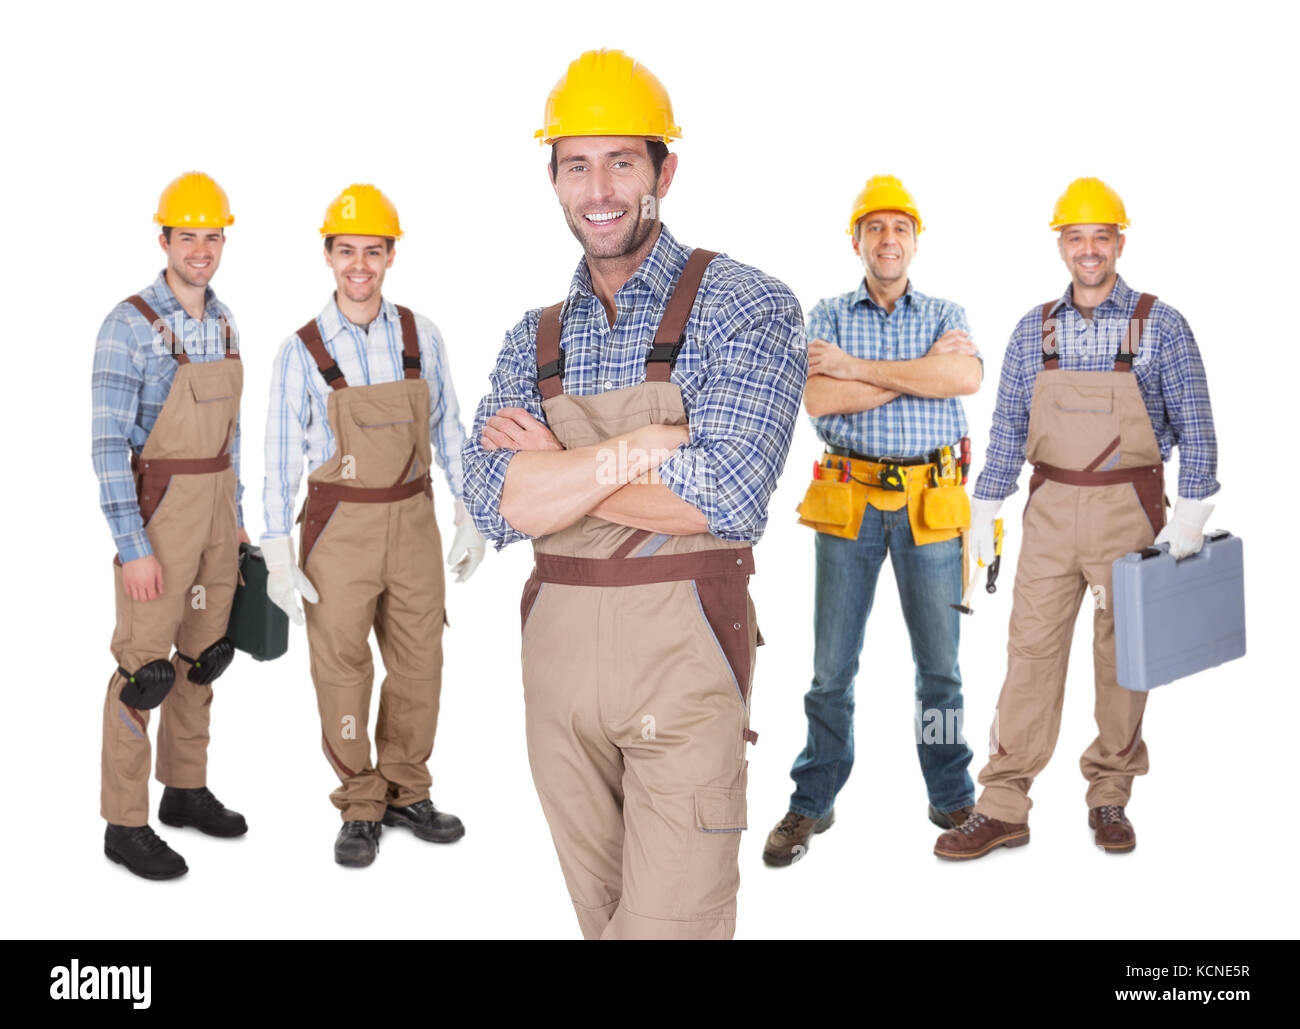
165 302
656 275
332 322
1118 299
861 296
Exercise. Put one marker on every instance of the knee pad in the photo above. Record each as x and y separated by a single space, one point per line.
148 687
214 660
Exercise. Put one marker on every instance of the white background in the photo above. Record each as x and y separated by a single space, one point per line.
985 111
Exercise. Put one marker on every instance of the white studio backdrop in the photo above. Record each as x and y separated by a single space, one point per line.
986 112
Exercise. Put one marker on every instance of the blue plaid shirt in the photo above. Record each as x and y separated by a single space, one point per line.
132 376
1169 373
906 426
741 373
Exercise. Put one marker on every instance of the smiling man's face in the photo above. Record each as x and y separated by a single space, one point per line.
193 255
886 243
1091 252
609 191
359 264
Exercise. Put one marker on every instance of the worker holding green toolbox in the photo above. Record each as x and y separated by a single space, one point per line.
165 393
887 365
1097 387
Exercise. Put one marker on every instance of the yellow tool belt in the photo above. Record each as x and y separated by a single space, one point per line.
937 506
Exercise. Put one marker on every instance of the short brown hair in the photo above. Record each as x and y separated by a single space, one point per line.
388 243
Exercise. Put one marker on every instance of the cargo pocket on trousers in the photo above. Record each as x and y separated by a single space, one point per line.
720 809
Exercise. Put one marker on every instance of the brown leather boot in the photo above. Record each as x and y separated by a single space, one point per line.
788 842
1113 831
978 835
949 819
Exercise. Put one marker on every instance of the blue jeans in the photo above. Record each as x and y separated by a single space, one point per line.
929 580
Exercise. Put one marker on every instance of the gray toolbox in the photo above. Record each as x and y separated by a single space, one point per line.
1176 618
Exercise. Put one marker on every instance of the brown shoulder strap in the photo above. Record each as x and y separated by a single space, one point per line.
1051 344
329 368
1128 346
550 359
159 326
228 337
672 326
410 344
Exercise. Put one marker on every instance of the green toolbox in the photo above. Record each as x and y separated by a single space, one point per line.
257 626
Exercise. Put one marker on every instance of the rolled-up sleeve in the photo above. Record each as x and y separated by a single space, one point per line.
512 383
1187 406
742 419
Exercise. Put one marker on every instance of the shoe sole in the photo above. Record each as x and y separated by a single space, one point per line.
786 860
356 863
155 876
1110 848
184 823
1014 840
397 822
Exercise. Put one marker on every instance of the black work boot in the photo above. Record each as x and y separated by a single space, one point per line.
140 849
199 808
357 844
426 821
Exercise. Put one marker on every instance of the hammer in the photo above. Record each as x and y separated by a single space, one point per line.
992 578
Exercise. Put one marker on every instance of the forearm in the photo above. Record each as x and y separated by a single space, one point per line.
548 490
934 376
824 395
653 507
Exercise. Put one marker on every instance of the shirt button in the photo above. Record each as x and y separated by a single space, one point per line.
609 384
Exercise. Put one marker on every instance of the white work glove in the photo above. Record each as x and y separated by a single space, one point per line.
284 577
467 546
982 515
1185 531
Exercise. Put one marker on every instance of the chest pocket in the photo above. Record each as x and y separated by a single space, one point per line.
382 441
210 389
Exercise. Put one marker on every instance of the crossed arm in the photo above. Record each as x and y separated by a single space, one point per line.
548 488
840 384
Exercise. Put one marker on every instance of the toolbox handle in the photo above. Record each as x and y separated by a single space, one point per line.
1163 548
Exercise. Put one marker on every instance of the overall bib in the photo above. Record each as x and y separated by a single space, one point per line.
185 483
371 548
638 654
1096 493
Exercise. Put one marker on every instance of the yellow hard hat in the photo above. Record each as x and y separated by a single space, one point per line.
193 199
361 210
607 93
884 193
1089 202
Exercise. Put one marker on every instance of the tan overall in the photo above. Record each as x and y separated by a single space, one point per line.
638 654
185 483
371 548
1097 492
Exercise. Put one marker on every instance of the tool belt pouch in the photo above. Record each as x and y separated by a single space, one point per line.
945 507
257 626
834 508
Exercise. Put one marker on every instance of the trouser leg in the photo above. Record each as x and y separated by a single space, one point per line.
846 575
1048 590
577 770
1119 526
144 632
929 583
684 782
345 566
183 725
408 627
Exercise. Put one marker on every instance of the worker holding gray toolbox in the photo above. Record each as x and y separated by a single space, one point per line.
1096 389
